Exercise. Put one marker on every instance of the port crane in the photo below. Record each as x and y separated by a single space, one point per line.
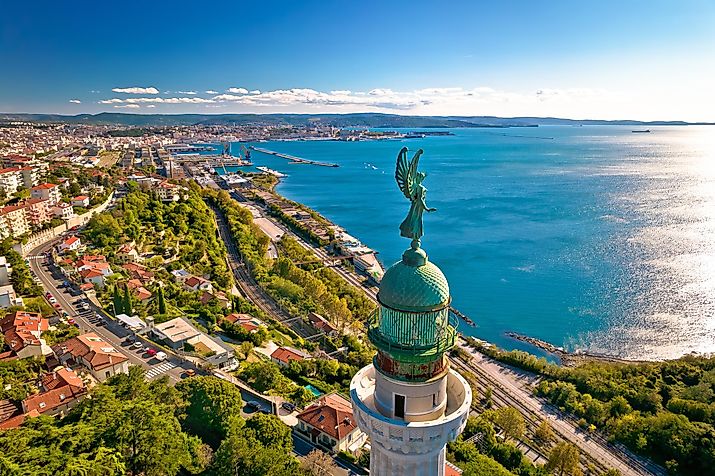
246 153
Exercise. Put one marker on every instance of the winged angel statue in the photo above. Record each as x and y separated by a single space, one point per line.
410 182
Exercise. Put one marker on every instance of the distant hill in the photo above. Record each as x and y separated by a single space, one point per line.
335 120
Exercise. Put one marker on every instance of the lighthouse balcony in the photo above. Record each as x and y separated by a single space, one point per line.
398 434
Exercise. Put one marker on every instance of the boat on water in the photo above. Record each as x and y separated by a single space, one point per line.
275 173
644 131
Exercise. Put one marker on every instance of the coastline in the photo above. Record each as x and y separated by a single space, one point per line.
565 357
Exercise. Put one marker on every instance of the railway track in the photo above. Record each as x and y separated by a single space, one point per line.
502 397
248 286
608 454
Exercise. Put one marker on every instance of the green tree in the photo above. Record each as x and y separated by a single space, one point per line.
482 465
160 300
319 463
544 433
117 301
213 403
240 454
511 421
271 431
127 307
564 460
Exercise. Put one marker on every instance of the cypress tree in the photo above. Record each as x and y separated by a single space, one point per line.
117 300
162 302
127 300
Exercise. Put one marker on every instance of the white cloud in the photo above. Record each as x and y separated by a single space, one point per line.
159 100
211 91
136 90
475 101
190 93
151 105
75 101
128 106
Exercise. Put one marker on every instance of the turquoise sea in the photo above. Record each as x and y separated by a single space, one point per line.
588 237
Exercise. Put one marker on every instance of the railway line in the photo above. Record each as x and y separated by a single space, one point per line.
596 451
248 286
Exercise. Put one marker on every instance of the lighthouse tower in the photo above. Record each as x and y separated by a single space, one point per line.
409 402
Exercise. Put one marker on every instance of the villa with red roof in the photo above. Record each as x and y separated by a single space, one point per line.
80 201
247 321
60 391
93 353
329 423
69 244
22 333
283 355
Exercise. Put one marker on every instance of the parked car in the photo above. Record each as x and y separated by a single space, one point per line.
137 345
190 372
57 306
129 339
288 406
160 356
151 352
253 404
70 321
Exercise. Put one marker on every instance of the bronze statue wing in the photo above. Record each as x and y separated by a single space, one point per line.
412 173
402 173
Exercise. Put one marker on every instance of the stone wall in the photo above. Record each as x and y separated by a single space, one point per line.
44 236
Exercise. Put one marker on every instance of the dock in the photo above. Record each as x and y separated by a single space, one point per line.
293 159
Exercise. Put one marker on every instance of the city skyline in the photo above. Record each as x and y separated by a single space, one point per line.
640 60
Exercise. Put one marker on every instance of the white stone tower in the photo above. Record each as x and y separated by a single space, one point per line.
409 401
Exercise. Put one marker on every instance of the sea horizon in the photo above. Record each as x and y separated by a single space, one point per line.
542 234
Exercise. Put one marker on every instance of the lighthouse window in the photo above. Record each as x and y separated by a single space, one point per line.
434 399
399 406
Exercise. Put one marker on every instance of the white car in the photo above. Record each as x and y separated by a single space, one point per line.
160 356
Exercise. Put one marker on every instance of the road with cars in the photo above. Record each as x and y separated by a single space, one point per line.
79 311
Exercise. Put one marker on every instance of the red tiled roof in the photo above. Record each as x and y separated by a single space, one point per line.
60 378
91 258
21 328
80 197
18 420
286 354
47 401
92 348
331 414
70 241
44 186
90 273
247 321
451 470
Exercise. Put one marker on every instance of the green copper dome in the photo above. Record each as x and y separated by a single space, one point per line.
414 284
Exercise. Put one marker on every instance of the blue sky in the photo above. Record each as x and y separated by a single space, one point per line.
587 59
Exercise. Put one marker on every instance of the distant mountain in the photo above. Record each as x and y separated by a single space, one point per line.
335 120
